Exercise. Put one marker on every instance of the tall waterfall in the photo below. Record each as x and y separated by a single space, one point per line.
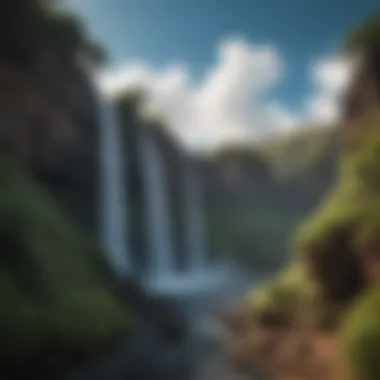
160 244
194 220
114 187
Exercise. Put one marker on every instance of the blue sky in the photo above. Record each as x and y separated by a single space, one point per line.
155 38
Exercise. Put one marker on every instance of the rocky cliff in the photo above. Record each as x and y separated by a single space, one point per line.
58 292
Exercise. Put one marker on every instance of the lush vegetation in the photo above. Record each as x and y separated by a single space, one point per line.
57 291
56 287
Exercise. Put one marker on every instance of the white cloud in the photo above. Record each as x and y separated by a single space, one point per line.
228 104
331 78
233 101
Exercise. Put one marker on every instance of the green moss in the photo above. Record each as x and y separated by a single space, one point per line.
360 336
296 279
55 285
318 229
354 199
262 297
362 165
285 294
361 173
368 231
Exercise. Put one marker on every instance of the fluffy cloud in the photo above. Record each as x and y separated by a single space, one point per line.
233 101
331 77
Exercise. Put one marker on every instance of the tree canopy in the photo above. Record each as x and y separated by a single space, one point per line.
30 26
364 35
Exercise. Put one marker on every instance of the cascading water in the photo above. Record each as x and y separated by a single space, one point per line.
114 187
160 245
195 223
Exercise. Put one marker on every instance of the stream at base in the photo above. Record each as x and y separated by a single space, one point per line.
145 355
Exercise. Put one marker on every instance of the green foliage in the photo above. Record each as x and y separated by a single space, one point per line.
286 293
360 176
263 297
328 239
55 285
32 25
335 213
360 336
367 33
368 231
67 32
355 198
361 167
295 278
327 244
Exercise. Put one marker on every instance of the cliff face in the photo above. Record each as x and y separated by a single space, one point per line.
49 129
47 105
56 287
45 124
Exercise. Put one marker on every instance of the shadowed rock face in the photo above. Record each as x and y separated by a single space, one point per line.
57 139
33 125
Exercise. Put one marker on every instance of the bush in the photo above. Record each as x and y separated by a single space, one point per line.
280 299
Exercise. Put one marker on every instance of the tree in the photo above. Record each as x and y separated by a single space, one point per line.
364 35
28 26
67 32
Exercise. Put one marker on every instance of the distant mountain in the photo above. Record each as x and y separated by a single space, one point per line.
256 195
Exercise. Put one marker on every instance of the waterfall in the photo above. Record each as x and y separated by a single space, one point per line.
160 245
194 220
114 187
